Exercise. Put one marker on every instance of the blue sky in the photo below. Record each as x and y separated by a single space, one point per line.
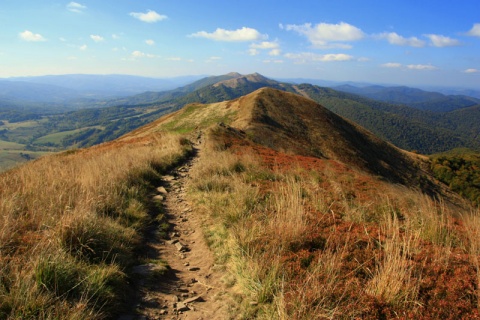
420 42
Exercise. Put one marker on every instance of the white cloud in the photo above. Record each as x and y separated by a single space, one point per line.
212 59
115 36
84 47
76 7
442 41
396 39
149 17
30 36
273 46
139 54
305 57
475 31
421 67
96 38
328 36
174 59
472 71
265 45
275 52
363 59
273 61
243 34
392 65
150 42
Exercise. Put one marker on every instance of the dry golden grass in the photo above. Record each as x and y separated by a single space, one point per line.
69 224
377 248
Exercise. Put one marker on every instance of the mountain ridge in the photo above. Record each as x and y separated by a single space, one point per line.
290 123
298 200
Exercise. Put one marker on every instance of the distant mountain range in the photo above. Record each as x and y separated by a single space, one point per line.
416 98
65 89
412 119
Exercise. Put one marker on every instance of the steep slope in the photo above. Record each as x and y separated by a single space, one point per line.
406 127
294 124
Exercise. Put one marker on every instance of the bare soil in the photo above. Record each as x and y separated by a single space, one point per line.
191 287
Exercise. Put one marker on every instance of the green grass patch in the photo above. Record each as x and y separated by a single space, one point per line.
7 145
22 124
55 138
197 116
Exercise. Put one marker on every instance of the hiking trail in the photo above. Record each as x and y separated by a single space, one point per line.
192 286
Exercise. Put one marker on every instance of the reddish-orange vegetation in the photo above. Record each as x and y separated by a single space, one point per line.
443 276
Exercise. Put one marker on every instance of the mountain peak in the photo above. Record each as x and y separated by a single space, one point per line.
233 74
241 80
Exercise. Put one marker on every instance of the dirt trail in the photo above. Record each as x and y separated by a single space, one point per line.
192 287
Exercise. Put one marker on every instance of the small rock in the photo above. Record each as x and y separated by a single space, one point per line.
186 264
163 312
162 190
158 197
168 178
174 241
184 295
193 299
253 303
174 235
180 247
182 307
193 269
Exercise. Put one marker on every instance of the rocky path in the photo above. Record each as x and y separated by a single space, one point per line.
192 287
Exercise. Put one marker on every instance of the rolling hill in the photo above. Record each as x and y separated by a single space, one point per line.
409 128
412 97
290 197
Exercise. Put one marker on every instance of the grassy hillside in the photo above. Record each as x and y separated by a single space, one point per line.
292 208
70 225
306 238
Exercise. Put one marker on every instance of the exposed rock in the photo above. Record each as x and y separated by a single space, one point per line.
158 197
168 178
182 307
193 299
162 190
181 247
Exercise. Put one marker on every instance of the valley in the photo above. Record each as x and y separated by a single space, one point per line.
443 123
